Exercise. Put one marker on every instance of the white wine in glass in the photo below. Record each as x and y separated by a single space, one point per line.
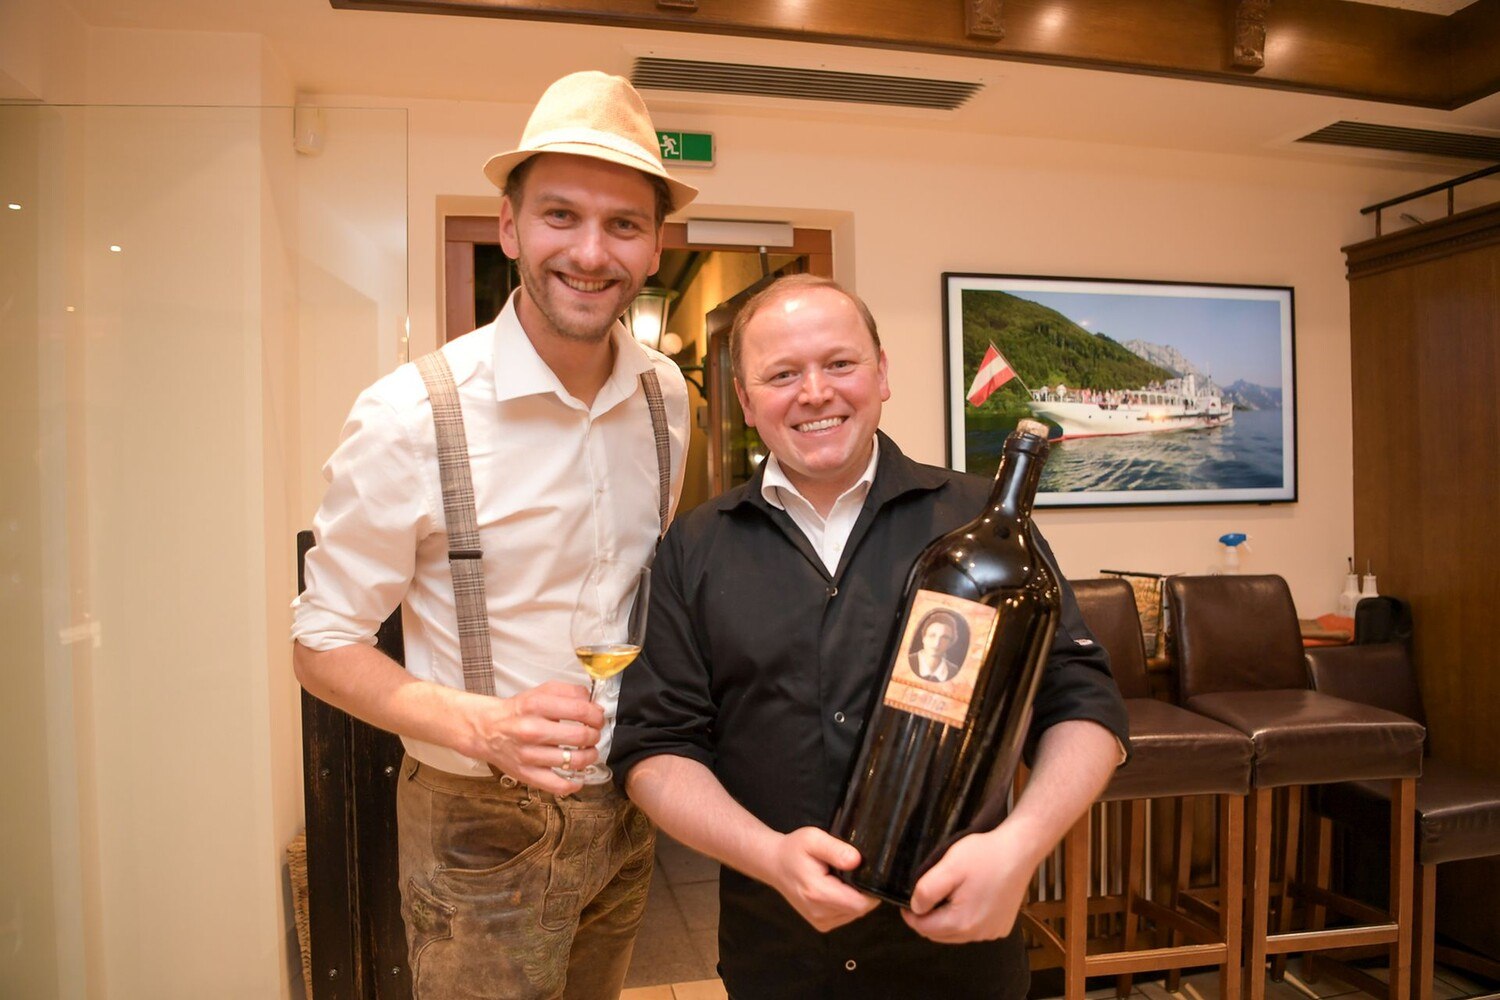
609 625
604 661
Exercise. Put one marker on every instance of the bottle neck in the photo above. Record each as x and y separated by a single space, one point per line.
1015 485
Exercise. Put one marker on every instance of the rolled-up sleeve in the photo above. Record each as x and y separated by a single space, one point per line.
365 533
666 698
1077 683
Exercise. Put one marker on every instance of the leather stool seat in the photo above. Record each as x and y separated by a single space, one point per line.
1306 737
1458 810
1175 752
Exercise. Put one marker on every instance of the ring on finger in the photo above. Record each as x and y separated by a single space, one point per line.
567 759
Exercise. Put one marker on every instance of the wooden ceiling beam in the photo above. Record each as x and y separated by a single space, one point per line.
1476 50
1317 46
1249 34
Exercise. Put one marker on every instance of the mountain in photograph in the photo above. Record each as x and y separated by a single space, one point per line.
1244 395
1164 355
1249 396
1047 348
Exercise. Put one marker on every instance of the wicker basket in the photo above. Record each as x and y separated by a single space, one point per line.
296 864
1150 604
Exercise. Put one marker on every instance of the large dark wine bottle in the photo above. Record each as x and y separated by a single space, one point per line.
944 735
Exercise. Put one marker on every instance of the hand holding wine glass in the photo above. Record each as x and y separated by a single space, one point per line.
609 625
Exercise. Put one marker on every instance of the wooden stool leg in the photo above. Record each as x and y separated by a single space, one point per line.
1288 870
1424 932
1132 851
1182 873
1258 897
1403 858
1075 907
1320 830
1231 891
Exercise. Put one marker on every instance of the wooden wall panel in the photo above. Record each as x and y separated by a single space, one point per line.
1425 325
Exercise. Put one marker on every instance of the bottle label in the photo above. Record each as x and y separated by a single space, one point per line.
941 652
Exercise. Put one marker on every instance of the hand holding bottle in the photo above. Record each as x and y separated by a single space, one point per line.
976 888
801 870
975 891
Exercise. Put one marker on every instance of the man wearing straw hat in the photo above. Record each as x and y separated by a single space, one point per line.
516 882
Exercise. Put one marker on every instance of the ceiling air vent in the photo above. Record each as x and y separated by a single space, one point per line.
805 84
1408 140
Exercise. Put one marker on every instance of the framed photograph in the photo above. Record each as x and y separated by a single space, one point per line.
1154 392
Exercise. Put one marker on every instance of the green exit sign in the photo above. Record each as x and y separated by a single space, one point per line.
687 148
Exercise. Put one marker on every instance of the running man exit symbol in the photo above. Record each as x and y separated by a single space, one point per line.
695 149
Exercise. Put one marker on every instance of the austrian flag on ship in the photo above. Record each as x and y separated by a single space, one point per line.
994 371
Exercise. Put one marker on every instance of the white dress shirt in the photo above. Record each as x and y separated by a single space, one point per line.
830 534
557 485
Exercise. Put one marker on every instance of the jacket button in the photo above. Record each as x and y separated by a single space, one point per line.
833 591
850 965
838 717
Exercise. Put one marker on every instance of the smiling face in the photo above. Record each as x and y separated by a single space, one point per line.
584 239
812 383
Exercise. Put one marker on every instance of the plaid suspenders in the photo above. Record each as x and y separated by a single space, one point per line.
465 558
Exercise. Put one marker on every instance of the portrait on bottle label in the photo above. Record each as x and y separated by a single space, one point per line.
944 644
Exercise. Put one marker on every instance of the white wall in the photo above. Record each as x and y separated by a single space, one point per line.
43 52
165 381
351 275
275 702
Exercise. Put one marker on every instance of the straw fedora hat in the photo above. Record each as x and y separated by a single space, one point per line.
591 114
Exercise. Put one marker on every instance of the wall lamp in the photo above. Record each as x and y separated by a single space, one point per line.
647 319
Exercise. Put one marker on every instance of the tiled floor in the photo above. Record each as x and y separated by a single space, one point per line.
1447 985
678 942
704 989
676 951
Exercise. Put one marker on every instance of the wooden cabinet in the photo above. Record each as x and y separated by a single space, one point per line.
1425 337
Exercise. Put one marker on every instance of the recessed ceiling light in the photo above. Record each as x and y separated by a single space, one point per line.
114 248
13 207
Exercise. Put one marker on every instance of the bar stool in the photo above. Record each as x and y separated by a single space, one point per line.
1458 809
1240 661
1174 754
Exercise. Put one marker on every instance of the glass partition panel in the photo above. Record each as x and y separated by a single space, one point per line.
187 307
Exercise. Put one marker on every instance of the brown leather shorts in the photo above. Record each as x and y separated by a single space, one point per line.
510 893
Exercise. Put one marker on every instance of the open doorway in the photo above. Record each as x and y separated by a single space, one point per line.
709 281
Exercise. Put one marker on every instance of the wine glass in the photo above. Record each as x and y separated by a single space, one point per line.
609 624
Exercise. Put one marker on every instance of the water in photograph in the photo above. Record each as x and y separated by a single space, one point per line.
1245 454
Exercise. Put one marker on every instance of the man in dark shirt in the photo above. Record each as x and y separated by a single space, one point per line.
771 608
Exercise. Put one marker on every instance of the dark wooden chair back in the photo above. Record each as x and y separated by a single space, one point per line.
1108 608
1378 674
349 772
1235 633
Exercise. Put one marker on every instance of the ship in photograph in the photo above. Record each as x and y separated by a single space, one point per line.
1178 404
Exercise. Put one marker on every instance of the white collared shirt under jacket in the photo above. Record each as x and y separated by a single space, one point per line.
828 535
557 485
